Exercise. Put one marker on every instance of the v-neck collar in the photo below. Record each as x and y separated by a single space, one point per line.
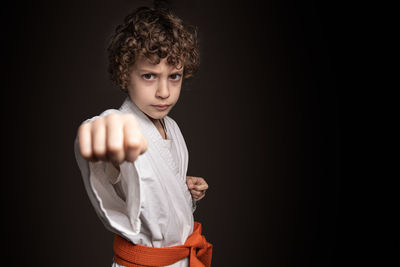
162 122
151 132
144 122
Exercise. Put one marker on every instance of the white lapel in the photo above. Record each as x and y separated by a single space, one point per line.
154 137
156 146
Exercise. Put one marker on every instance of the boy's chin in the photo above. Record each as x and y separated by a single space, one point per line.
156 116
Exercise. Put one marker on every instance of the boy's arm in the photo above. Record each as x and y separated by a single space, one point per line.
101 177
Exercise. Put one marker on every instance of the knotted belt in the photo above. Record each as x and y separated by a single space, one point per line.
196 247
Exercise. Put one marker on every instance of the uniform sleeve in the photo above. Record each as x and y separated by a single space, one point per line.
114 195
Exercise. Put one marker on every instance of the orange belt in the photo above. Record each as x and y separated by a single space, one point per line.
196 247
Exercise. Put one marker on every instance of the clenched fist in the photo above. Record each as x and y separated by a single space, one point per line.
115 138
197 186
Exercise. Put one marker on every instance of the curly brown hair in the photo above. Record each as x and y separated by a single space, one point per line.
155 33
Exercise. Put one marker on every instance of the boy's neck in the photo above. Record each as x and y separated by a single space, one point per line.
160 127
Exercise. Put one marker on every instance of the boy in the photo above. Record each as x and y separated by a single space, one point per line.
134 160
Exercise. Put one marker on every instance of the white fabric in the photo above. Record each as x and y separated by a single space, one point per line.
148 203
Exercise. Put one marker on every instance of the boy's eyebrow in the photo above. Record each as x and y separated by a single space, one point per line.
177 72
152 71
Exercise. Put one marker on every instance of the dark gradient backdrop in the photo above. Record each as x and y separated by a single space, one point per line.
261 121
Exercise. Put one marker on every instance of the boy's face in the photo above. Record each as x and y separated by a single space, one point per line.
153 88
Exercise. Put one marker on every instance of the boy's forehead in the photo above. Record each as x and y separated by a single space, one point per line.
143 62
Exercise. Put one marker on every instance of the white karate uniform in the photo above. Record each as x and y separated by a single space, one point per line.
148 203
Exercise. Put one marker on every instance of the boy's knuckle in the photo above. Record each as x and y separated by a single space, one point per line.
129 117
96 124
84 127
114 147
99 149
133 143
112 117
86 154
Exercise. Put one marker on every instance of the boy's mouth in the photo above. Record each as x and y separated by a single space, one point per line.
161 107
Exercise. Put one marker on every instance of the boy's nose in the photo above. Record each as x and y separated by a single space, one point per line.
162 90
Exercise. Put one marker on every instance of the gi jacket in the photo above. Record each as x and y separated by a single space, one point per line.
148 203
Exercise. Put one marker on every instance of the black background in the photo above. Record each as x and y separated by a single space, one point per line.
262 121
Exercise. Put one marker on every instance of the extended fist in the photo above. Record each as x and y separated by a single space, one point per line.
115 138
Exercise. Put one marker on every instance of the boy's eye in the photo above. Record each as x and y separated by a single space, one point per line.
175 76
148 76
